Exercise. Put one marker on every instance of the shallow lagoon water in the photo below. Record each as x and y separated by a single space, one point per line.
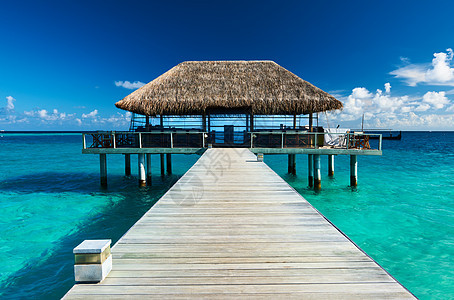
401 214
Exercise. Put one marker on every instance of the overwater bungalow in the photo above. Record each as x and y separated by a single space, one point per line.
257 105
249 233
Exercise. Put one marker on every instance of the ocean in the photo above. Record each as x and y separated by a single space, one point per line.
401 213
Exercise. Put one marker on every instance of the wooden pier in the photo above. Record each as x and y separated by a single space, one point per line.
232 228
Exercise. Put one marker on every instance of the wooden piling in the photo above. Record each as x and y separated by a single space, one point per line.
103 169
292 164
331 165
317 172
162 164
310 167
148 169
353 170
141 163
127 164
169 163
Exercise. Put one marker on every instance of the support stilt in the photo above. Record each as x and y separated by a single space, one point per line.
162 165
292 164
142 179
148 169
204 122
251 119
317 172
127 164
103 169
169 163
331 165
310 167
353 170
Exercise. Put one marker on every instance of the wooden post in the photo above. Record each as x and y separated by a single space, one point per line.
127 164
310 122
147 123
142 179
161 121
252 123
330 165
103 169
311 137
204 122
148 168
209 122
292 164
317 172
294 121
353 170
310 166
247 123
162 164
169 163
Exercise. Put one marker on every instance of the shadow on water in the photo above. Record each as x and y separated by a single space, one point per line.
51 275
84 183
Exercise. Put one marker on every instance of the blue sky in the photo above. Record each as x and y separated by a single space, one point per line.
65 63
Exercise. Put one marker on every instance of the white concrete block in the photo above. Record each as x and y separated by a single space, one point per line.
92 246
93 272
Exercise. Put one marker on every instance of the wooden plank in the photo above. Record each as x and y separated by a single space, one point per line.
358 288
232 228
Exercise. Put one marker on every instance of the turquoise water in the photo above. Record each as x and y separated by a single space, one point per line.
401 214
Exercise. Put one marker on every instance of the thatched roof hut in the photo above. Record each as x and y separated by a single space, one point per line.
261 87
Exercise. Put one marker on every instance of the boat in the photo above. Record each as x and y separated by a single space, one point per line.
396 137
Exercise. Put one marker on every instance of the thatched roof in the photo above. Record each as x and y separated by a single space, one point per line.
263 87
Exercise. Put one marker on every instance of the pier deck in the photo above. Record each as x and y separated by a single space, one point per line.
232 228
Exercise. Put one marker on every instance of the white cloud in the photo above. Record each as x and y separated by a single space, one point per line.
388 87
362 101
439 72
129 85
436 99
422 107
90 115
361 93
384 110
44 115
10 102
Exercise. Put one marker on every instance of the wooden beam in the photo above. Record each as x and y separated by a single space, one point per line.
169 163
103 169
162 164
127 164
141 169
331 165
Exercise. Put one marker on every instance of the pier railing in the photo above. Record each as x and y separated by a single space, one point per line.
260 139
314 140
154 139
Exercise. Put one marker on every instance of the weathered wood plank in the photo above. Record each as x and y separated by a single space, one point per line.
358 288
